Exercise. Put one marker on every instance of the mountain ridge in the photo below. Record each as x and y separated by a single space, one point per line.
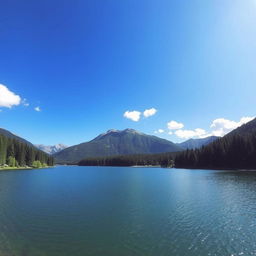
244 129
16 152
117 142
236 150
51 149
197 143
11 135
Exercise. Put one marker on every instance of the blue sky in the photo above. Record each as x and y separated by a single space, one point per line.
85 63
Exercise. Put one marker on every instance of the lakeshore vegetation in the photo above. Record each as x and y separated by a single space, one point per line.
236 150
163 159
17 154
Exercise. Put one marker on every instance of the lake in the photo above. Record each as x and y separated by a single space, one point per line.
112 211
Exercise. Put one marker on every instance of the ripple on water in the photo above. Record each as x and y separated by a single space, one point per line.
122 211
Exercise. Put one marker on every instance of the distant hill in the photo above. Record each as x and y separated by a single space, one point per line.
51 149
16 152
197 143
236 150
116 142
8 134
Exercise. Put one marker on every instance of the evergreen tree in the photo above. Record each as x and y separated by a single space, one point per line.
232 151
11 161
16 153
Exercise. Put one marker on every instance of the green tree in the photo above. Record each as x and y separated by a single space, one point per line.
37 164
11 161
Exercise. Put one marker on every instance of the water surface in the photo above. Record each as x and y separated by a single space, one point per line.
82 211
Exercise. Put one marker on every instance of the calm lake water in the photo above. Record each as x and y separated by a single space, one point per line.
108 211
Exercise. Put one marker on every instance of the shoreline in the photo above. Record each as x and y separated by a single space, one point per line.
150 166
23 168
166 167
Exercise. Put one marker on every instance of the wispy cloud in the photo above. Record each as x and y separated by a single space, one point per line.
187 134
159 131
25 103
38 109
8 98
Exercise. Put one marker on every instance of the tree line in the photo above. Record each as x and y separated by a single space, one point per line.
232 151
15 153
162 159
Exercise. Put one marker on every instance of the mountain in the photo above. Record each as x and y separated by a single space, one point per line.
51 149
236 150
245 129
47 149
116 142
197 143
17 152
13 136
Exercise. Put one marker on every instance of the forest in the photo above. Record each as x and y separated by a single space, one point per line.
233 151
162 159
14 153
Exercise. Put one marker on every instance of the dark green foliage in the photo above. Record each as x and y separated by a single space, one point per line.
11 161
3 149
163 159
14 152
10 135
236 150
113 142
20 153
30 155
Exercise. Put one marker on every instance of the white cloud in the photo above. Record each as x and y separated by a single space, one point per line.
159 131
219 127
38 109
8 98
200 132
222 126
149 112
133 115
173 125
246 119
187 134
